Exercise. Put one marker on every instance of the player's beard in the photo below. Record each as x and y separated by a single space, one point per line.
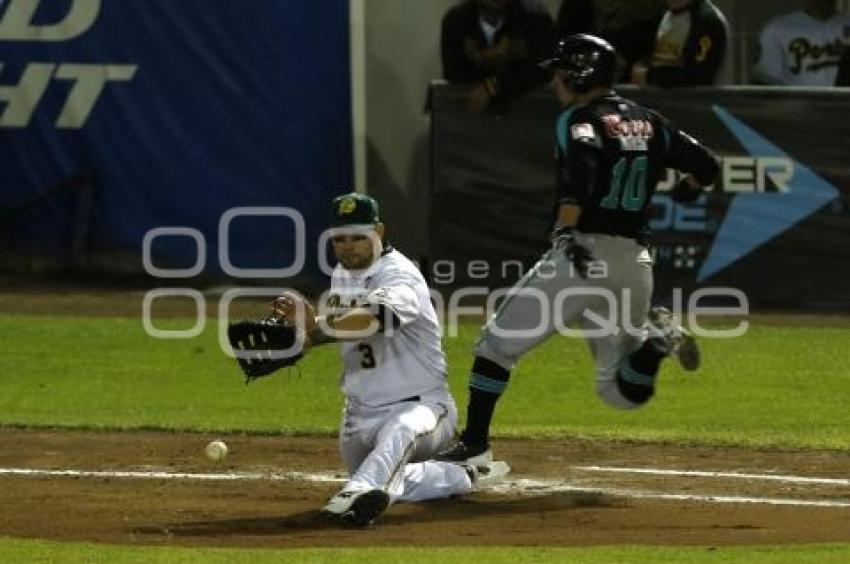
352 261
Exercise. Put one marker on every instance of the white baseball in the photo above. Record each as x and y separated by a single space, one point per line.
216 451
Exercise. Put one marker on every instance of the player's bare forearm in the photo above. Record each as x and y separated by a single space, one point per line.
353 325
568 215
317 336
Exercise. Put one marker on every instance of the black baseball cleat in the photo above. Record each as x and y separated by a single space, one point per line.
461 453
358 508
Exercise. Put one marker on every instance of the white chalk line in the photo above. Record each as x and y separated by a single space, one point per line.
159 475
536 487
707 474
529 487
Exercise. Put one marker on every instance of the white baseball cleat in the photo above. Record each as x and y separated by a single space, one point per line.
487 475
669 337
357 507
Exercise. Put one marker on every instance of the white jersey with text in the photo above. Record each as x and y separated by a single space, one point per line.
799 50
406 359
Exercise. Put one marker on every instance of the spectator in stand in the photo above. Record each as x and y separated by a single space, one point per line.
493 47
629 25
803 48
690 46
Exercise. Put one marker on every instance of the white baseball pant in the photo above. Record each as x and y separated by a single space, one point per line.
389 447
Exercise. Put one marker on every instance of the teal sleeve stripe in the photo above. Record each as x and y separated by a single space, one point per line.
562 129
629 374
486 384
666 139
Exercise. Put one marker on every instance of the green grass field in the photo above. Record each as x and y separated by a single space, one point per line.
15 550
776 386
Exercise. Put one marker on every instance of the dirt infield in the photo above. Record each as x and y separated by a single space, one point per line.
255 498
553 498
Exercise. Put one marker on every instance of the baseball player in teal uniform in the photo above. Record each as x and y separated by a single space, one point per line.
611 153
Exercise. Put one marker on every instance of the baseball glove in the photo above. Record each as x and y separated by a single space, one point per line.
264 346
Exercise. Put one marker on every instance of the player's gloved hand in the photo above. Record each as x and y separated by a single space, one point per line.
579 255
686 191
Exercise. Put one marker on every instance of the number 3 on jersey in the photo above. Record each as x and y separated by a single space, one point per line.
367 358
628 179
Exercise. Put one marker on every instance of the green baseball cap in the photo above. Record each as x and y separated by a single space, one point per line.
354 209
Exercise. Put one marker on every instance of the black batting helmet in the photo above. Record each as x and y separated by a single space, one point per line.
587 60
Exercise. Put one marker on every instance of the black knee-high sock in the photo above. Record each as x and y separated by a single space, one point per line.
646 359
636 376
486 384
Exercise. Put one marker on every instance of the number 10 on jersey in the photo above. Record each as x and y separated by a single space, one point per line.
628 179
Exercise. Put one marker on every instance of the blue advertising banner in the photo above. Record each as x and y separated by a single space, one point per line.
134 115
773 225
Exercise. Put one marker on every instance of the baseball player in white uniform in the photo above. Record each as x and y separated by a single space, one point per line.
804 48
398 409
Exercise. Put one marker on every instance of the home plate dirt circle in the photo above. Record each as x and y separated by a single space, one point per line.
158 488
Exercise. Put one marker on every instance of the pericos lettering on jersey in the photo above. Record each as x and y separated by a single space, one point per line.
812 57
345 301
632 134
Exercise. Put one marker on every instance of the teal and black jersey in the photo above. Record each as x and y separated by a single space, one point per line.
611 154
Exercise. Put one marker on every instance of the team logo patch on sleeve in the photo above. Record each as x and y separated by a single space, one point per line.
583 132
